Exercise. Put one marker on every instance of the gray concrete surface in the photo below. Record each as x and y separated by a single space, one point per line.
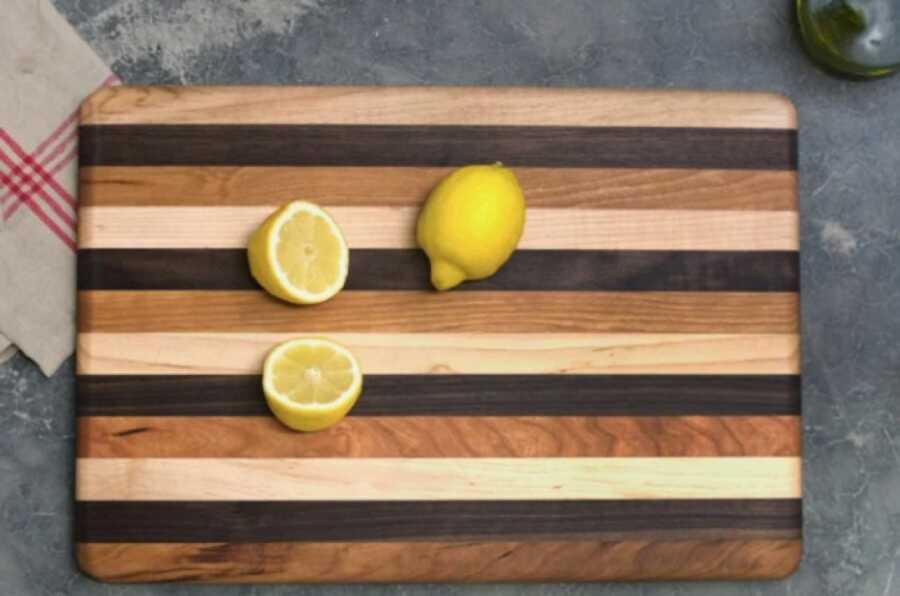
850 205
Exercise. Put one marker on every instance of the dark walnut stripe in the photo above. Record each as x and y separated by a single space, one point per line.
264 521
441 436
458 395
520 561
527 270
376 145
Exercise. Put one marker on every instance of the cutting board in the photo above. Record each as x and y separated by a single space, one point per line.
621 401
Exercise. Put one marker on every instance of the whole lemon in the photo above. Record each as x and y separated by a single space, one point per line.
471 224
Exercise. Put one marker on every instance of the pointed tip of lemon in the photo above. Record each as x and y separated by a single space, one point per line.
446 275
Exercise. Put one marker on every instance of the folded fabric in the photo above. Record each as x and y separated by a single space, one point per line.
47 70
7 350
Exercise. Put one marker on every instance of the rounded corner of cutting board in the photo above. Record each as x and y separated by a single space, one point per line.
90 565
784 103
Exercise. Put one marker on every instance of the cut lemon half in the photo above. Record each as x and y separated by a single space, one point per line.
310 384
299 254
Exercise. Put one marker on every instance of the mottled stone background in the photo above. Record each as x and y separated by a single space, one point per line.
850 206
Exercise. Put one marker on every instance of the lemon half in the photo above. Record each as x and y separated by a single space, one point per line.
299 254
311 383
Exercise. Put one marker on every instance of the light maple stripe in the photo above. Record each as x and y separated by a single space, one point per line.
394 227
449 353
220 479
509 106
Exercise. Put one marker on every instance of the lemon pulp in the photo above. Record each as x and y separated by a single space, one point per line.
311 383
299 254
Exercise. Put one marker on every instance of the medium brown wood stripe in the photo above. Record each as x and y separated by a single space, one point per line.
648 559
435 105
445 479
585 188
432 312
394 228
442 436
451 353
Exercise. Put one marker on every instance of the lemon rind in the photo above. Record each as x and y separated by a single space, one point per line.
285 284
349 394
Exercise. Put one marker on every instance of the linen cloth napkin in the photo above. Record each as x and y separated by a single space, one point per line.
46 70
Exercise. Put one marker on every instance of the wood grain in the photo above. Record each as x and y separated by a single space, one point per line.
436 105
441 146
451 353
441 436
581 188
394 227
407 269
338 521
373 479
433 312
587 560
458 395
621 402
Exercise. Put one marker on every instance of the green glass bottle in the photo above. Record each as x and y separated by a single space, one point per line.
854 37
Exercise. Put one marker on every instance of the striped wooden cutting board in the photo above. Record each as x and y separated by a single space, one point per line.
621 401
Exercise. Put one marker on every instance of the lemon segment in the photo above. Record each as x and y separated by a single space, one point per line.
310 383
299 254
471 223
